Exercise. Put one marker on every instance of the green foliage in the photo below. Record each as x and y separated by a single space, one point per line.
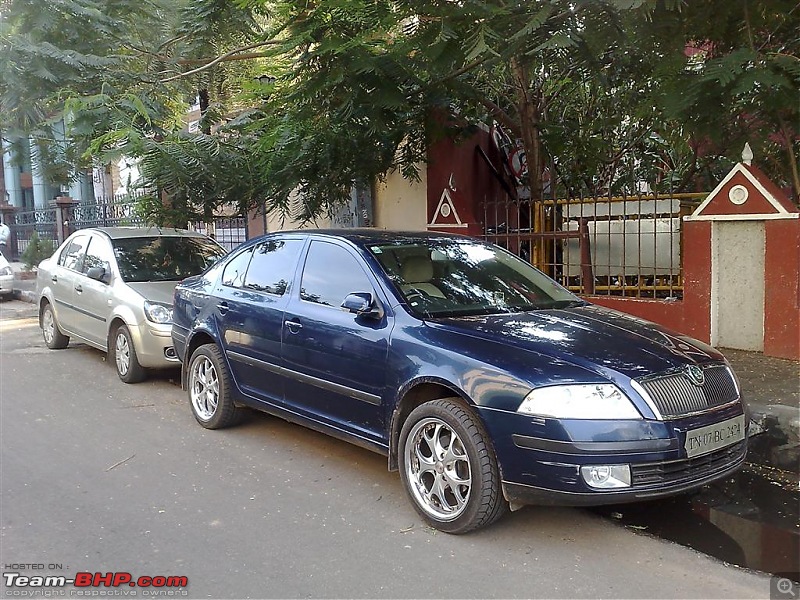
36 251
601 91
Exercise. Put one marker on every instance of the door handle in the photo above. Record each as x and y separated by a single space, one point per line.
223 307
78 288
54 279
294 326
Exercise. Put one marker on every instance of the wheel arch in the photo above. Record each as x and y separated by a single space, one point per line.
419 392
196 339
43 301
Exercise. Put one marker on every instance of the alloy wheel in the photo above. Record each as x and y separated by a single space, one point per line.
204 388
438 469
122 354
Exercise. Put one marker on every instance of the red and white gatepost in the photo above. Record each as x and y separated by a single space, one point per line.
742 266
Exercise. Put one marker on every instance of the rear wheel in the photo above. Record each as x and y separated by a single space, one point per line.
209 385
128 367
53 337
448 467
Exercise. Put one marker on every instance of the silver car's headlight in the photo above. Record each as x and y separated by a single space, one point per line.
6 271
582 401
158 313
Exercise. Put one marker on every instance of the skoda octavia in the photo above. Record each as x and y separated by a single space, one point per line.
484 382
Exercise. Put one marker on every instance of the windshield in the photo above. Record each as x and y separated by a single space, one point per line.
453 277
164 258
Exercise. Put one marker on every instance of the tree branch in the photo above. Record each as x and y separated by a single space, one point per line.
227 56
502 116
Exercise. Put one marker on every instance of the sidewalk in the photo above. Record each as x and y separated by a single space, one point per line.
770 386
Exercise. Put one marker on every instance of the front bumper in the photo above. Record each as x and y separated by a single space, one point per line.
543 464
667 478
153 342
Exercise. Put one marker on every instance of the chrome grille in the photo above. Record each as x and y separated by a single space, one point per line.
675 395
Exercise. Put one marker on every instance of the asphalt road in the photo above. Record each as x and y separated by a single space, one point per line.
99 476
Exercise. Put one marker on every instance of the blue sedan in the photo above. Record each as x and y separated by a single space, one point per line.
484 382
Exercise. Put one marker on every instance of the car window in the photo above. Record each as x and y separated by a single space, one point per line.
72 257
443 277
164 257
98 254
272 266
235 270
330 274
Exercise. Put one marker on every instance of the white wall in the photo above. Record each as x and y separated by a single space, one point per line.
737 284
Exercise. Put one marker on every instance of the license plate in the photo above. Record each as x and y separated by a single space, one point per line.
713 437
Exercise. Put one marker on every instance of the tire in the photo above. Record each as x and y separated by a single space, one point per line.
459 491
209 386
124 353
51 332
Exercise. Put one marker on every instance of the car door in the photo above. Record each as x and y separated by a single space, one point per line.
251 297
95 299
64 278
335 360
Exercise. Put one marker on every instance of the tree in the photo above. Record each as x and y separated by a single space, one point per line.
741 80
591 88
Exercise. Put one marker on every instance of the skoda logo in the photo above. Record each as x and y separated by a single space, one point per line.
695 375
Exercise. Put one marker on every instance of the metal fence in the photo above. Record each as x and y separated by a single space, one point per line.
229 231
627 245
23 225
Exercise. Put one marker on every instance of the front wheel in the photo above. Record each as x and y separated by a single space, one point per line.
448 467
210 389
125 360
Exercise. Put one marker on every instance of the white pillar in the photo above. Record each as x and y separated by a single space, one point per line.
40 199
11 176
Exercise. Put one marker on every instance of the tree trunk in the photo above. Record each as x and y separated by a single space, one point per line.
529 110
204 103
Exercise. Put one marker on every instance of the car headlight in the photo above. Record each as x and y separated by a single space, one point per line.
585 401
158 313
6 271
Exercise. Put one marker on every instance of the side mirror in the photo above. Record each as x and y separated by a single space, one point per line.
363 304
98 274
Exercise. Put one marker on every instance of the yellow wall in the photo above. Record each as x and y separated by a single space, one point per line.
402 204
398 204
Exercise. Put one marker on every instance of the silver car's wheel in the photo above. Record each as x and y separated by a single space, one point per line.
53 338
209 383
122 355
448 467
125 360
204 388
437 466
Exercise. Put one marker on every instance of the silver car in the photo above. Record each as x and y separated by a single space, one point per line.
112 288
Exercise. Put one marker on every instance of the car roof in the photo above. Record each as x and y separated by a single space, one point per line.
366 236
131 232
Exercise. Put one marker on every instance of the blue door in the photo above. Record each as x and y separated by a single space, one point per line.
335 360
251 297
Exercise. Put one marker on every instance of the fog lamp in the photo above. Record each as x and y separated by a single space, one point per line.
604 477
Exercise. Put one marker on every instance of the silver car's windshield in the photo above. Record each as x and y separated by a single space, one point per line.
442 277
164 258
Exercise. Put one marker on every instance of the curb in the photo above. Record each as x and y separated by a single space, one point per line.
779 444
24 295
